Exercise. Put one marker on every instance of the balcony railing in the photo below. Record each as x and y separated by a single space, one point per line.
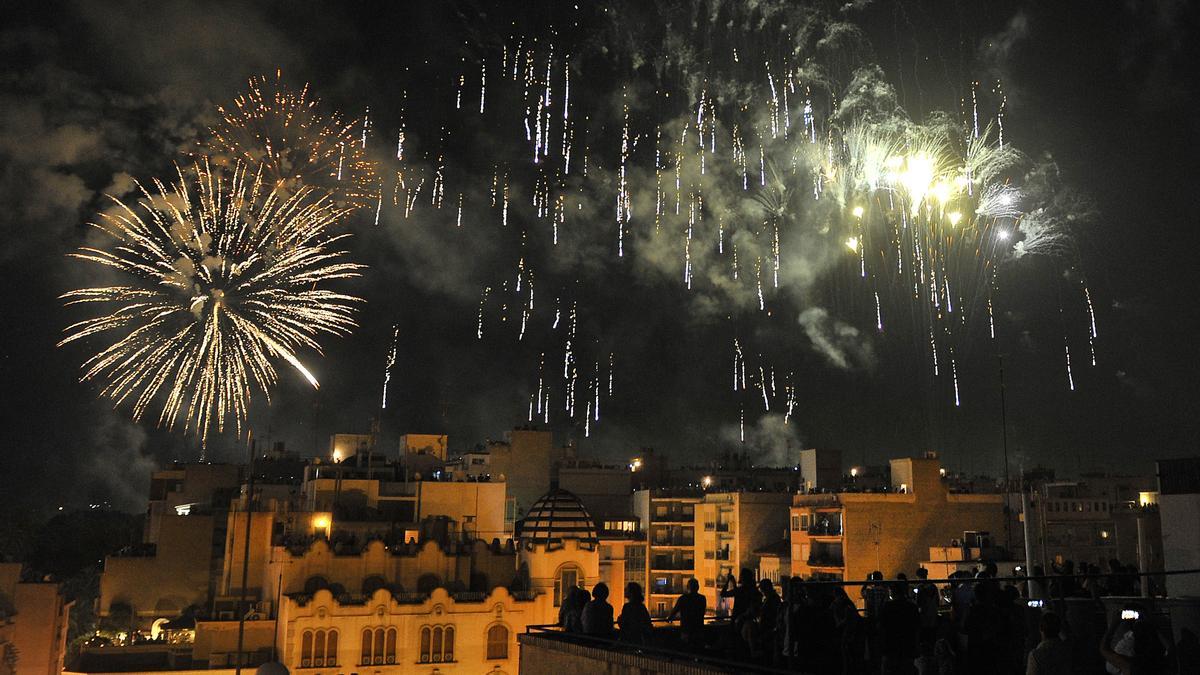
826 561
673 541
673 565
828 530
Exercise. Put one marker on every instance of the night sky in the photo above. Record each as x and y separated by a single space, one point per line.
97 94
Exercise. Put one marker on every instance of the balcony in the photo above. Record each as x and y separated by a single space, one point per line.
826 560
677 540
825 530
673 566
675 517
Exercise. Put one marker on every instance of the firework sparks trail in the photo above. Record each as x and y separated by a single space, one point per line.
220 274
388 364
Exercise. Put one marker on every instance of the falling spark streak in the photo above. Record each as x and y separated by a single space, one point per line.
762 385
220 274
878 314
482 301
389 363
1091 311
1070 377
954 377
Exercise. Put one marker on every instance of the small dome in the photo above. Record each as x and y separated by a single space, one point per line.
271 668
558 515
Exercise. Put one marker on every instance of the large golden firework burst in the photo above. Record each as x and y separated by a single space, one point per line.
217 276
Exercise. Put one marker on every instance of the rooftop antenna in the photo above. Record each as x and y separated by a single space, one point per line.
241 605
1004 444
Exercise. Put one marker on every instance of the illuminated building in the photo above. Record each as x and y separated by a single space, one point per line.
33 624
847 535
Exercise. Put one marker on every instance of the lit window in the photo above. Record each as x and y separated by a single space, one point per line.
568 578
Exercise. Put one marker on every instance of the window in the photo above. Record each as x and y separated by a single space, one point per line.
795 523
437 644
804 521
568 578
318 648
497 642
378 647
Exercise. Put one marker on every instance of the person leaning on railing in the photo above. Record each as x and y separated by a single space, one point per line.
635 620
690 608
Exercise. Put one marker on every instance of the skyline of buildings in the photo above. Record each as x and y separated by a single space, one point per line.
418 556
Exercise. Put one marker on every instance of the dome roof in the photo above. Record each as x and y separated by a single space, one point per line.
558 515
271 668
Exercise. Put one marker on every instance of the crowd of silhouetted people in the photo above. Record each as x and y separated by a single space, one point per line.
976 623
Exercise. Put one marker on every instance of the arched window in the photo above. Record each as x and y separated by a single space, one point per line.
378 647
390 653
318 649
306 649
367 639
377 655
497 642
437 644
568 577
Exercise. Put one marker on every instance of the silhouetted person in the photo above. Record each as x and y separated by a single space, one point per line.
1052 655
570 613
635 620
874 594
900 622
1035 589
987 632
928 598
746 603
690 608
768 616
1118 583
851 634
597 618
1187 650
1142 653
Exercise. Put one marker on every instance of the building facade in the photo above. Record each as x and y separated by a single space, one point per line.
848 535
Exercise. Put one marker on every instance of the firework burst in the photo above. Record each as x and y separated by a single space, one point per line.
284 131
218 275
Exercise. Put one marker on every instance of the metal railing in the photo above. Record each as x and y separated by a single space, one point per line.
721 648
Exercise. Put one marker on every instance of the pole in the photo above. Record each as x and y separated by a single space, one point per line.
1028 547
1004 441
1143 554
241 606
